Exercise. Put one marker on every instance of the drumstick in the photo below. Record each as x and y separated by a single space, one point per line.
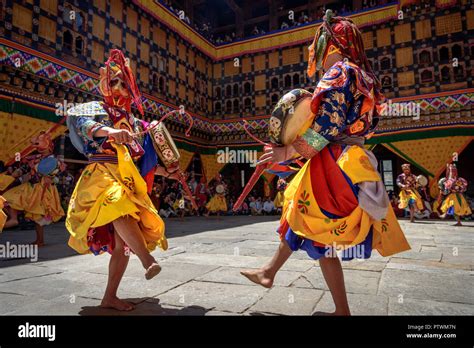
251 183
246 125
148 129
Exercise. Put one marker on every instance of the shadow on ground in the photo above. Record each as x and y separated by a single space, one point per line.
145 306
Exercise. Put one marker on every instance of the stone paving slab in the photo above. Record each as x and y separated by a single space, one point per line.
361 304
288 301
357 281
411 306
225 297
200 274
428 286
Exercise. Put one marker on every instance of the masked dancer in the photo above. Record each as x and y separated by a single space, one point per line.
110 210
337 202
452 187
409 196
36 195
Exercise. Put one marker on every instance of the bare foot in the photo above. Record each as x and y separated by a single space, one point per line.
152 271
258 277
116 303
458 224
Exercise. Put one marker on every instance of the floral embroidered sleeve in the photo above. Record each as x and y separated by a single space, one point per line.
88 127
331 119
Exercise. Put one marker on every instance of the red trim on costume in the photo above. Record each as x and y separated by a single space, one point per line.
330 188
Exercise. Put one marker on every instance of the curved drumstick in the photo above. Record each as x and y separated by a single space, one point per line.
246 125
165 116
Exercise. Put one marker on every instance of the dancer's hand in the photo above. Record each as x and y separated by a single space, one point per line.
120 136
275 154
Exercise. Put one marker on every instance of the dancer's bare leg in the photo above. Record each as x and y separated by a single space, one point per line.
264 276
117 266
12 218
128 229
412 213
458 218
39 235
332 272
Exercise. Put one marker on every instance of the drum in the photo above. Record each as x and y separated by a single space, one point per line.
422 180
168 153
220 189
164 145
290 117
48 166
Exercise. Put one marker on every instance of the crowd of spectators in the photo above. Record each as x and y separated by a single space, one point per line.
171 200
293 20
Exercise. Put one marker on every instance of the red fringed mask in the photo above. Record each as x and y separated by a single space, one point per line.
337 34
118 67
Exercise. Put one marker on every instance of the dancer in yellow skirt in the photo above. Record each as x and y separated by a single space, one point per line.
453 188
217 203
110 210
409 196
37 196
337 201
280 198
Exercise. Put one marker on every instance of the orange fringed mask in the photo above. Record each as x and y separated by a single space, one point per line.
341 35
117 66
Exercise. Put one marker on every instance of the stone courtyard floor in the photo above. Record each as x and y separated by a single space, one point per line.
200 274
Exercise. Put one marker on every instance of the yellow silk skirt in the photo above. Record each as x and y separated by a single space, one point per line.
459 204
279 199
302 213
106 192
407 195
40 202
217 203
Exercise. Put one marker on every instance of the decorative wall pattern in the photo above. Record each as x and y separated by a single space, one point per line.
31 63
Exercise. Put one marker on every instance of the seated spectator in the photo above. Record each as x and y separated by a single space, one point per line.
230 205
244 209
255 206
394 202
268 207
166 208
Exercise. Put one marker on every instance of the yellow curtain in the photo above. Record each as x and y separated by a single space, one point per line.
17 130
211 166
185 159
